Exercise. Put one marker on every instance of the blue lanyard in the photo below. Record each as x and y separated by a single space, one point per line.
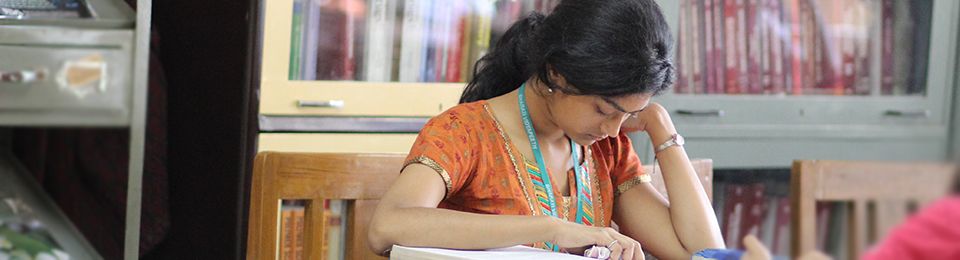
583 180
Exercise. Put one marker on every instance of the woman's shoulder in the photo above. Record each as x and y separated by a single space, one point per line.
474 112
467 116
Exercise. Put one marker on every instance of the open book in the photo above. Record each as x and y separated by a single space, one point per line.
514 252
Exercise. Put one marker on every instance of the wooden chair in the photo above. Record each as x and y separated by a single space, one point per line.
881 194
362 179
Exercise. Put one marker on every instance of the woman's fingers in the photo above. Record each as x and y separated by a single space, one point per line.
624 248
618 245
638 252
615 251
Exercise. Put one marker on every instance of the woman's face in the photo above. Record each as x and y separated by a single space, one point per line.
587 119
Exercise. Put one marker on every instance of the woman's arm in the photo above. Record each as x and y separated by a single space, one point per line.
681 226
407 215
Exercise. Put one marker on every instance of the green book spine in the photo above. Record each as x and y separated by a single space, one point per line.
295 32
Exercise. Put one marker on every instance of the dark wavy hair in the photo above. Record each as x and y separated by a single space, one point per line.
609 48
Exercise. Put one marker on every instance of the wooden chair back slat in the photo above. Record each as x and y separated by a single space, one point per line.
859 224
879 191
360 179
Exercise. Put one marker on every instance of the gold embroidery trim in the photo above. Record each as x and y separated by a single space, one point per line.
435 166
596 187
506 143
631 183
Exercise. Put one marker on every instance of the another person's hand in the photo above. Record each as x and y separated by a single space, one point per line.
755 249
576 238
814 255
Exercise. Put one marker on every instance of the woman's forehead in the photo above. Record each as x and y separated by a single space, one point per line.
628 103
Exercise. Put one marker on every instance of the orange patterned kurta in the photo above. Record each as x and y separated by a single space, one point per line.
484 172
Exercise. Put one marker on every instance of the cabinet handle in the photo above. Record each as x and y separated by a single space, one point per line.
712 112
23 76
901 113
323 104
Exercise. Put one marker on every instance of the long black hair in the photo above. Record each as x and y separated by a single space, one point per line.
609 48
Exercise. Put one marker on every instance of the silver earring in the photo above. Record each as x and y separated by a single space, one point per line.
550 90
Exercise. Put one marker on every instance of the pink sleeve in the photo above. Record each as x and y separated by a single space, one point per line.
933 233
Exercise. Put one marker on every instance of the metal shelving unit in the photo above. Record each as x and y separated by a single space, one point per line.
84 66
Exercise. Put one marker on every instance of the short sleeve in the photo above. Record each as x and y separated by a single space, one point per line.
626 171
448 146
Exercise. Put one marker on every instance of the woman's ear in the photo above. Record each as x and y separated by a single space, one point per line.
555 76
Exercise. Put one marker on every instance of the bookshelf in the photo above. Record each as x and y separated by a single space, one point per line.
837 115
297 110
765 128
116 39
826 119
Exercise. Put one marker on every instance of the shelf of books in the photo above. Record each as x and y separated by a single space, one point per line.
761 83
804 47
377 57
813 61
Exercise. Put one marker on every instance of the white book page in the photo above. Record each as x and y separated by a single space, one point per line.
514 252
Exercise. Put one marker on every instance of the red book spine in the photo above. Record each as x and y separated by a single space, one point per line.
829 61
742 59
733 214
349 59
886 55
774 30
732 32
796 63
457 34
755 46
330 43
806 47
718 47
696 46
753 212
711 79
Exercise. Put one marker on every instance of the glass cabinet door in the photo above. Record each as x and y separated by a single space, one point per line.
883 62
804 47
398 40
393 57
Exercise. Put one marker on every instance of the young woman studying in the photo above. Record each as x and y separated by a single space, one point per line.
536 153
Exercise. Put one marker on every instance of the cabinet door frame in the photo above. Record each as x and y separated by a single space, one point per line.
821 127
831 114
280 96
